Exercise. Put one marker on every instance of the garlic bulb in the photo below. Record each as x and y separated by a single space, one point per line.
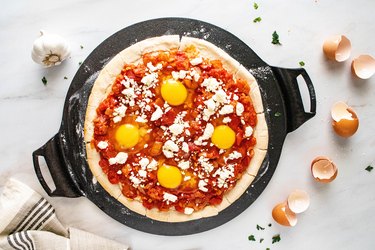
50 49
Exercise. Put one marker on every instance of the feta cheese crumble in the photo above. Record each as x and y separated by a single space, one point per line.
120 158
211 84
169 148
102 144
196 61
226 109
169 197
184 165
158 113
239 109
207 133
188 210
202 185
248 131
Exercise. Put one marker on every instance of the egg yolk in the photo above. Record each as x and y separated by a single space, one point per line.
173 92
127 135
223 137
169 176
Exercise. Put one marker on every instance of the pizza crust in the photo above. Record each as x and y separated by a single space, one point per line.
133 54
255 94
208 50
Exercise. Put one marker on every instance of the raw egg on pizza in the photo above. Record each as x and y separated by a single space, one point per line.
169 176
173 92
223 137
127 135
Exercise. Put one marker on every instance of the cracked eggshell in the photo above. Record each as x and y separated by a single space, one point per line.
298 201
283 215
344 119
337 48
323 169
363 66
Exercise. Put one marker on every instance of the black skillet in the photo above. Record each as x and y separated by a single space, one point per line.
65 153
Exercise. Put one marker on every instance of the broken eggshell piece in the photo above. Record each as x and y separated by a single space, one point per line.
337 48
283 215
363 66
298 201
345 121
323 169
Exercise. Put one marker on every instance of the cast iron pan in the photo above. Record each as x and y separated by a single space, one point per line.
65 153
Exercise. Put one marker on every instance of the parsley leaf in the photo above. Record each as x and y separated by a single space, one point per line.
275 38
261 240
277 114
251 237
259 227
276 238
267 248
302 63
257 20
270 225
44 80
65 77
79 63
81 46
369 168
255 5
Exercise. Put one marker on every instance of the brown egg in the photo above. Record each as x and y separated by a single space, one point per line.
363 66
283 215
323 169
337 48
344 120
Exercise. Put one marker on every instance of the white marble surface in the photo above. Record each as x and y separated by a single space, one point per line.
341 215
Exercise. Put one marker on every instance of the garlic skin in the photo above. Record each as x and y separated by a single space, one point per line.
50 49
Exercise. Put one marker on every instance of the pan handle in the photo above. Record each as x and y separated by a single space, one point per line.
296 114
51 151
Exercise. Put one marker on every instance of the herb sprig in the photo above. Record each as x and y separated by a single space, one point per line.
44 80
275 38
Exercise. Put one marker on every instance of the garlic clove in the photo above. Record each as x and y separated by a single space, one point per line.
50 49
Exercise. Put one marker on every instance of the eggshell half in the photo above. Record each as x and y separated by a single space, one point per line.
363 66
283 215
323 169
345 121
298 201
337 48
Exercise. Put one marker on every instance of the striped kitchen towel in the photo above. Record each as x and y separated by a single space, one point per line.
28 222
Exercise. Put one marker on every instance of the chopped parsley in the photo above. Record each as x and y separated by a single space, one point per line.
44 80
251 238
275 38
257 20
302 63
369 168
81 46
261 240
259 227
255 5
276 238
79 63
277 114
267 248
65 77
270 225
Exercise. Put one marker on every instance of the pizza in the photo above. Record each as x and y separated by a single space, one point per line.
175 128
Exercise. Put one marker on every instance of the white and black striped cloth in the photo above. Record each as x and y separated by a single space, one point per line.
28 222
